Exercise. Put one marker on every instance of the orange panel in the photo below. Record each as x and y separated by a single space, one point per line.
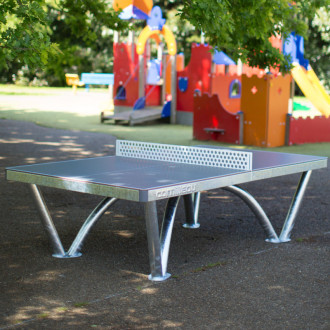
265 105
254 107
279 94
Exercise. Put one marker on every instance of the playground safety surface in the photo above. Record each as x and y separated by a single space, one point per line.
224 275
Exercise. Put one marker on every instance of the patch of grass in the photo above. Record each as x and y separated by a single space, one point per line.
11 89
209 266
81 304
19 93
42 315
66 117
311 239
202 269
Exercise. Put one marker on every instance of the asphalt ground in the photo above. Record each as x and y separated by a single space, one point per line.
224 274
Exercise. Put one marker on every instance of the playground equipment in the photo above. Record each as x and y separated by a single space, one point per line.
138 9
264 103
306 130
304 75
261 120
264 106
212 121
243 104
312 88
140 84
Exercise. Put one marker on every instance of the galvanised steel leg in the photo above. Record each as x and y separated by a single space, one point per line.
74 250
46 219
159 244
167 228
257 210
191 205
294 207
155 258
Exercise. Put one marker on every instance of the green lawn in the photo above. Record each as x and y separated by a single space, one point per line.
60 108
10 89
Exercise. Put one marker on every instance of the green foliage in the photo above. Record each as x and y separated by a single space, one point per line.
83 30
243 27
24 36
84 17
185 33
50 38
41 40
317 45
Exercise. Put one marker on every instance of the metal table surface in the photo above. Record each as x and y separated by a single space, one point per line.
145 180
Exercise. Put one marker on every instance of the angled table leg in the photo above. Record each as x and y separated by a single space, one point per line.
74 250
263 218
294 207
255 207
46 220
159 245
191 205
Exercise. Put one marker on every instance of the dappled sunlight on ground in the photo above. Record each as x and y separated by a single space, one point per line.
224 274
83 103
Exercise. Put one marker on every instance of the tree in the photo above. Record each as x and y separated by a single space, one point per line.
243 27
53 32
26 33
83 30
317 46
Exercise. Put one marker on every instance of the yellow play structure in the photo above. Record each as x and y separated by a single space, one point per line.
312 88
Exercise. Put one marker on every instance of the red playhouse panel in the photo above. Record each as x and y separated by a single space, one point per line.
309 130
221 85
197 74
153 94
126 80
210 118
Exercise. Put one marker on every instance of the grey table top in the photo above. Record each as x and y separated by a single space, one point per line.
147 180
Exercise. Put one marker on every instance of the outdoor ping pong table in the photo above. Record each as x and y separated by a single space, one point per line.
147 172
